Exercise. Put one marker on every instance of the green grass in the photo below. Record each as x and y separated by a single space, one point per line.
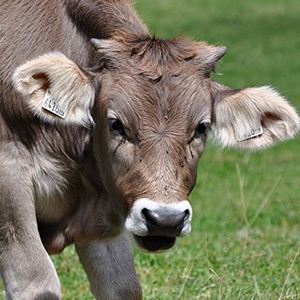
245 233
245 239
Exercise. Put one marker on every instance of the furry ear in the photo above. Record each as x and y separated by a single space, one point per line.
111 51
208 56
253 118
56 89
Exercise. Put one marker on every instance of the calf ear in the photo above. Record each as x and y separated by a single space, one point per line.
253 118
56 89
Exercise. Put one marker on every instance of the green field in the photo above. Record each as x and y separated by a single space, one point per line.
245 242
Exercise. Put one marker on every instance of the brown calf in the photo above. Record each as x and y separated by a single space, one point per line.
96 140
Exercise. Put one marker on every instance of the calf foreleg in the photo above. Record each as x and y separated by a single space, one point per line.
110 269
25 267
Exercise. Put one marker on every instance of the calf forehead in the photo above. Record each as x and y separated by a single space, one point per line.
159 76
184 97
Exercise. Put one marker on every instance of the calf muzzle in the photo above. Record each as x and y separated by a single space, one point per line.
163 223
155 226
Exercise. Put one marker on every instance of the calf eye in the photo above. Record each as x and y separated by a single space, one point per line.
116 125
201 129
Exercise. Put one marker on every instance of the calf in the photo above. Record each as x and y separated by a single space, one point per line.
101 129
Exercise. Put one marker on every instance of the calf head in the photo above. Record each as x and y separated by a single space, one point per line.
151 105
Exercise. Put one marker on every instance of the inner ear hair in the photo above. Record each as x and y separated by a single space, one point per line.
43 78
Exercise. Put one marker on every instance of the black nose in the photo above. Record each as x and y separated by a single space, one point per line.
164 223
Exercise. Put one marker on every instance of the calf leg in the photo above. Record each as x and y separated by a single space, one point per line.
25 267
110 268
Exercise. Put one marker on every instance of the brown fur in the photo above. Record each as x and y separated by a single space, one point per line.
46 26
78 180
106 19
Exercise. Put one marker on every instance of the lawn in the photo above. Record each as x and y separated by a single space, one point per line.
245 242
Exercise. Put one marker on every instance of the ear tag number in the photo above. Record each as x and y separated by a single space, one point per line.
250 135
50 105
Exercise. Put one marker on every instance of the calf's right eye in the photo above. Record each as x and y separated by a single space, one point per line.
115 125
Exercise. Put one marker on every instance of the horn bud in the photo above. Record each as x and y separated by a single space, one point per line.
100 44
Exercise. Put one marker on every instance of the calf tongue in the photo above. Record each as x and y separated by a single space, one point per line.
155 243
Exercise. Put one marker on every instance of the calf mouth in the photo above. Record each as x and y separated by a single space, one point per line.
154 243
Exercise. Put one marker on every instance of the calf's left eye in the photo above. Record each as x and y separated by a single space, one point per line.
201 129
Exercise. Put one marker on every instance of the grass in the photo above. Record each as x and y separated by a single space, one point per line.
245 239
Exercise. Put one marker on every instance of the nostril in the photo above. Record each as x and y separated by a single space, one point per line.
186 215
150 217
145 213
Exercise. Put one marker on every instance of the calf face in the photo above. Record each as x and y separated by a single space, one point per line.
155 108
150 105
